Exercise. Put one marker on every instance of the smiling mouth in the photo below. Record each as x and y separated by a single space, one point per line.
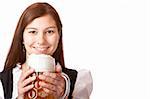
41 49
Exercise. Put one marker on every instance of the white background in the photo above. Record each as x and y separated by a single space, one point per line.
111 38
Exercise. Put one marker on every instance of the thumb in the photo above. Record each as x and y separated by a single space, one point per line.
58 68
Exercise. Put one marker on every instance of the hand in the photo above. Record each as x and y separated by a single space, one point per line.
53 83
24 83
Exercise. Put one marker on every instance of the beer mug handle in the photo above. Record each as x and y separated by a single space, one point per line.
32 94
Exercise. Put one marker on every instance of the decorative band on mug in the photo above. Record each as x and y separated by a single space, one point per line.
42 94
32 94
36 85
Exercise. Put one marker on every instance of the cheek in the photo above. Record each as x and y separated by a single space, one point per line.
27 40
54 43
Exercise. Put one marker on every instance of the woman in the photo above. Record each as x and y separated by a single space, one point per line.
39 31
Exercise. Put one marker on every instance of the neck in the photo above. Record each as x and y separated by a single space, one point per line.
24 67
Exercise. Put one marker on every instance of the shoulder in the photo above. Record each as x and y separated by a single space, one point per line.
9 78
10 71
84 73
6 75
83 85
84 78
7 82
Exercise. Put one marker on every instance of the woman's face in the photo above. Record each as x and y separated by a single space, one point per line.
41 36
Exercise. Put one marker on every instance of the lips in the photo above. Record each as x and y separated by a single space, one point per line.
40 50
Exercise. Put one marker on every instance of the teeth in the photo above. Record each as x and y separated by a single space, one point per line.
41 49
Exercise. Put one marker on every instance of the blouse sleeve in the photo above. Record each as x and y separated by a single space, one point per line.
83 85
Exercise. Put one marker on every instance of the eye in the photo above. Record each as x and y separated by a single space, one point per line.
50 31
32 32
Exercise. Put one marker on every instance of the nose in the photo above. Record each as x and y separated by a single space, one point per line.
40 38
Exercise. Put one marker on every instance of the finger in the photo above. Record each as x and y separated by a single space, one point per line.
47 85
49 76
47 79
53 89
60 90
50 92
27 88
54 78
28 81
58 68
26 74
42 77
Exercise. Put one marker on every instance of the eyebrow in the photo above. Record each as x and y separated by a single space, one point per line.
37 29
51 27
31 28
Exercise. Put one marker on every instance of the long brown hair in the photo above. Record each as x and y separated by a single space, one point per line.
17 53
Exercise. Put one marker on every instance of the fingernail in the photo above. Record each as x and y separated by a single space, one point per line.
32 85
58 64
40 76
34 77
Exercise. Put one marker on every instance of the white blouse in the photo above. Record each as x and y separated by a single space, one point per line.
82 90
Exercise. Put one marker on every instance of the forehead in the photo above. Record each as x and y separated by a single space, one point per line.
43 21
